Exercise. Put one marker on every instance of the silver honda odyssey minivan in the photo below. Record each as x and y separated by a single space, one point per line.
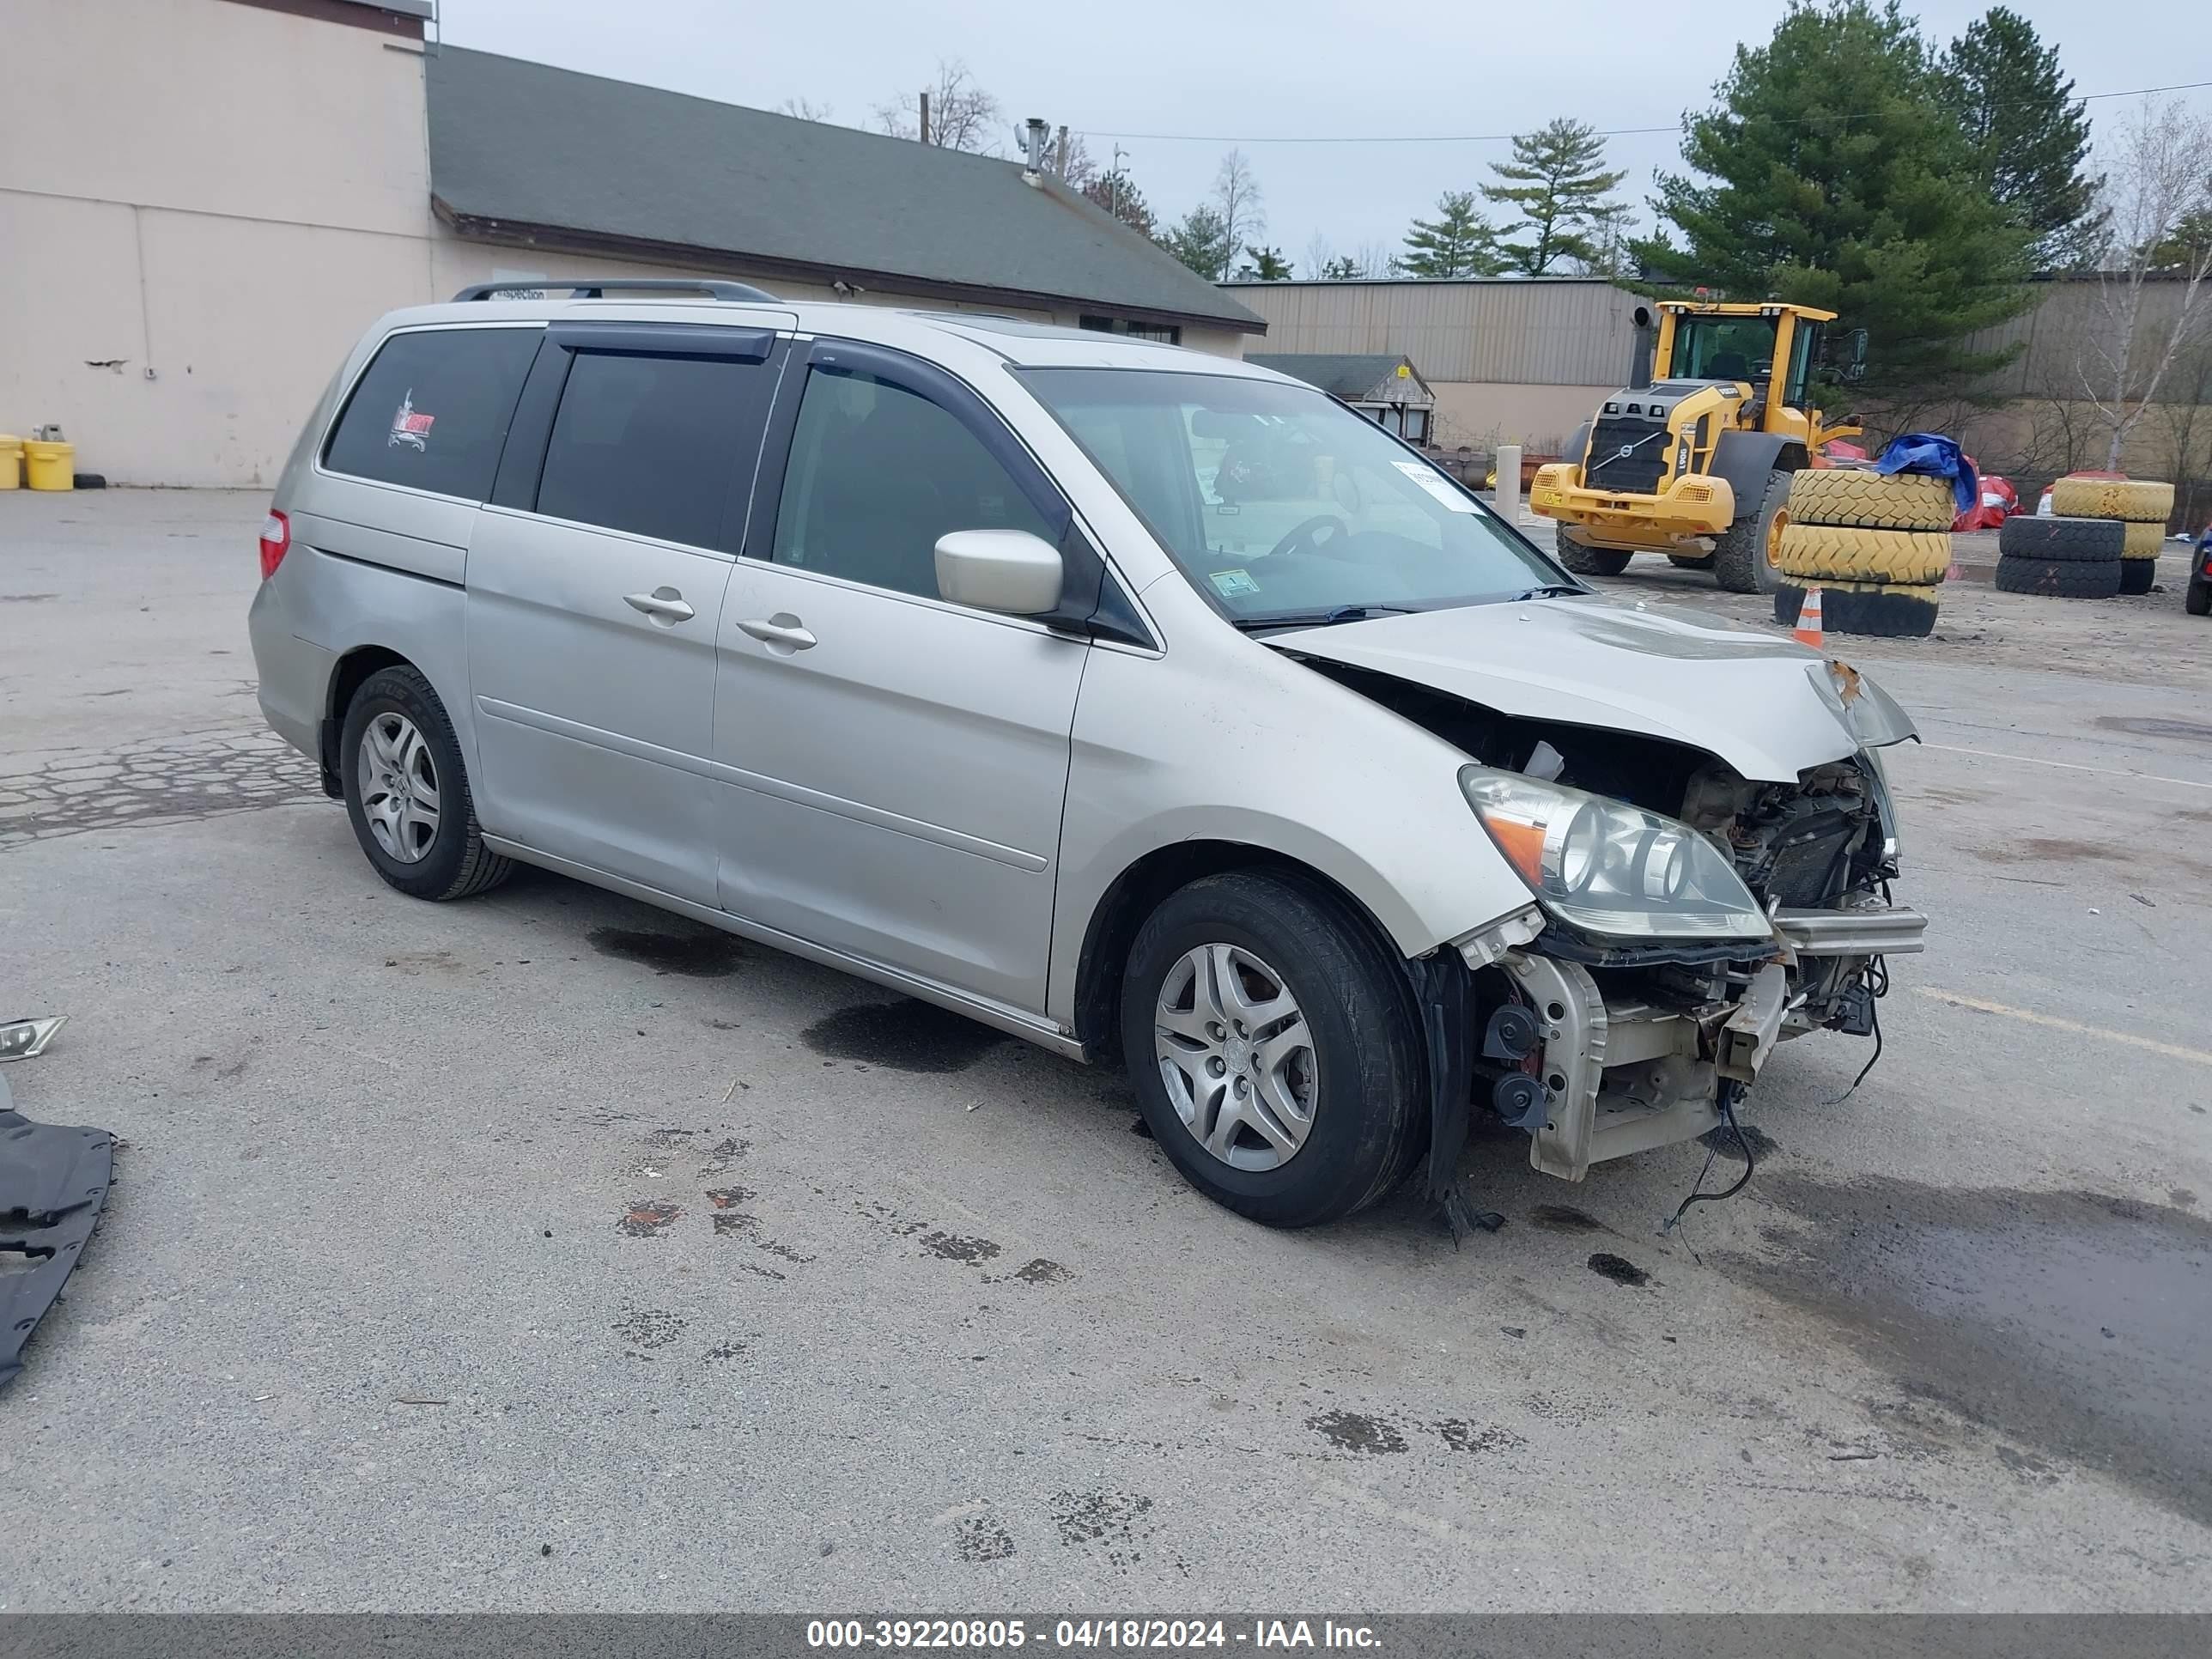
1135 701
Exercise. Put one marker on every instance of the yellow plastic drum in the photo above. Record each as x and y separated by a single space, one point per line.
11 461
49 467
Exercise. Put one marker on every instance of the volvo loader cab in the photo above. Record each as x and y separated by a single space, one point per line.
1693 458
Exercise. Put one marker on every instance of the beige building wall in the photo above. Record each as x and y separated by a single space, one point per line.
186 258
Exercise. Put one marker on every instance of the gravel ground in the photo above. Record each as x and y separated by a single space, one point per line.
547 1252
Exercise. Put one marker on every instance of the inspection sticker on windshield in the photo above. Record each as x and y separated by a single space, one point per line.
1435 483
1231 583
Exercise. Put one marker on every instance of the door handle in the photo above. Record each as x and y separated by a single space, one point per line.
663 604
782 629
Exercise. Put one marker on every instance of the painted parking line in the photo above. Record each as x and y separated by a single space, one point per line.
1982 1006
2070 766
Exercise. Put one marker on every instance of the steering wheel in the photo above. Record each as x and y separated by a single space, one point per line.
1302 538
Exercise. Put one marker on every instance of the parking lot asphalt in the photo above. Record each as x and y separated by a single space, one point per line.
545 1251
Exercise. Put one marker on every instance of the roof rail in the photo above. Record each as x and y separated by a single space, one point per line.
596 287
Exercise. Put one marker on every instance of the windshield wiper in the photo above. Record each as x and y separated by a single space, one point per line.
1343 613
1550 589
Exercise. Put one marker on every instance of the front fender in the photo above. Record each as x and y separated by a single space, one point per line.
1234 742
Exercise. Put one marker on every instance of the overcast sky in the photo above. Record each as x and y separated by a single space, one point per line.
1248 70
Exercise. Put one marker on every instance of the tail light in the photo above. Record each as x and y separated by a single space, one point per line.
275 543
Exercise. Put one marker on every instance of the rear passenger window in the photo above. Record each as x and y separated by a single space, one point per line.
654 444
433 410
877 474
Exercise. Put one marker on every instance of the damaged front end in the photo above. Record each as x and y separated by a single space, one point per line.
1685 921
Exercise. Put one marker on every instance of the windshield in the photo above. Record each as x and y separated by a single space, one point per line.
1278 504
1722 349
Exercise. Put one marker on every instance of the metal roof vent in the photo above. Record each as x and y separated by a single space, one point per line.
1033 153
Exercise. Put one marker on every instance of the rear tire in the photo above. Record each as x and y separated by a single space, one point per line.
2197 602
1743 554
1365 1078
1587 560
450 861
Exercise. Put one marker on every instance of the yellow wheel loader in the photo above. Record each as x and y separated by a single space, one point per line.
1694 459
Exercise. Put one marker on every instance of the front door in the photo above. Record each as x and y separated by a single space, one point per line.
899 763
595 587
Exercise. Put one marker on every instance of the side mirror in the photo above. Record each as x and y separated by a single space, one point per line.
1857 370
1009 571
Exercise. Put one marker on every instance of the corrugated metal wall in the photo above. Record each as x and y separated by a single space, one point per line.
2058 337
1569 331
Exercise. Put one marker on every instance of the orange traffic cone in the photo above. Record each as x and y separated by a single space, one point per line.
1808 631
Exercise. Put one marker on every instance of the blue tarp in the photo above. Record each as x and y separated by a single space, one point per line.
1937 456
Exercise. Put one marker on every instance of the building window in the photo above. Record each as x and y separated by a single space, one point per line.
1165 333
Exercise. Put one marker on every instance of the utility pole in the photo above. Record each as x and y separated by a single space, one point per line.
1113 186
925 117
1061 165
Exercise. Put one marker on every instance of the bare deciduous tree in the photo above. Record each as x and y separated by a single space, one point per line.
805 109
1321 254
962 115
1240 201
2159 174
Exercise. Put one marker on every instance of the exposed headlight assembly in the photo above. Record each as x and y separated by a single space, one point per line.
1609 868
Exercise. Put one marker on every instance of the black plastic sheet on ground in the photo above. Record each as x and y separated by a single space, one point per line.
52 1181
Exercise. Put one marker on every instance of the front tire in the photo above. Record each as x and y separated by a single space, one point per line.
1744 553
407 792
1274 1049
1584 560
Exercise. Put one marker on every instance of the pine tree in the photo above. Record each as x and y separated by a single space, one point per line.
2030 134
1267 264
1117 192
1458 242
1831 173
1558 183
1201 241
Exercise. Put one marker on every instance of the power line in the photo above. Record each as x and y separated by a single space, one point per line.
1507 137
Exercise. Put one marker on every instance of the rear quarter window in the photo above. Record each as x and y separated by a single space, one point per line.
432 412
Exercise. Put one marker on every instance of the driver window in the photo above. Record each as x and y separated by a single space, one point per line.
877 474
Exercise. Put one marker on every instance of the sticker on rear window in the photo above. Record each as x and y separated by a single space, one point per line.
1231 583
1435 483
410 426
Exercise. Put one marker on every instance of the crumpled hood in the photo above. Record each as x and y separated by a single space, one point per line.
1698 680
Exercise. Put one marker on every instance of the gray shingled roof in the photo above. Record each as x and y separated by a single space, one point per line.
530 146
1339 374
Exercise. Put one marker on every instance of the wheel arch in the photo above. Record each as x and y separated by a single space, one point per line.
1139 890
1745 460
348 675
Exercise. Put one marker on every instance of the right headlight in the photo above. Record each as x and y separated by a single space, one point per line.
1609 868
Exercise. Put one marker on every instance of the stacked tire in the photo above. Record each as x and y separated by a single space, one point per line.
2142 506
2061 558
1876 546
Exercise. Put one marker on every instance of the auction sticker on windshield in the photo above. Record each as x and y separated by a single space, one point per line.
1435 483
1232 583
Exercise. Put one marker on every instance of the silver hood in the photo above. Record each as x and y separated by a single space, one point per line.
1765 706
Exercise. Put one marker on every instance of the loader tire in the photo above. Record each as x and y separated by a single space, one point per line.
1881 610
1870 501
1743 554
2059 579
1834 553
2143 538
1587 560
2082 541
2134 499
2138 576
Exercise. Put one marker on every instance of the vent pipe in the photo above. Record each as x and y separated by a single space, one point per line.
1033 152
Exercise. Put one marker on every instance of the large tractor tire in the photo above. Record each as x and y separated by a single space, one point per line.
2058 579
2138 576
1584 560
1881 610
1826 553
1744 553
2082 541
1871 500
2144 538
2134 499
